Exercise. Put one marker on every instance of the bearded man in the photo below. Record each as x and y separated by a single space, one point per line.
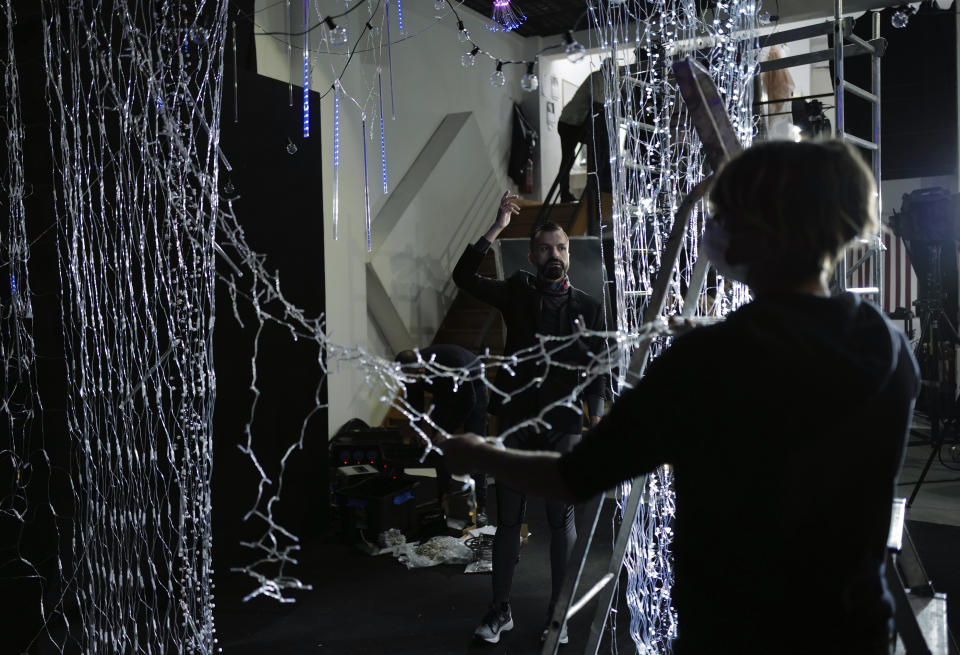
531 305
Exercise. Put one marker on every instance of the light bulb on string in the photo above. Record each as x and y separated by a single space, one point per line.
901 16
574 51
462 34
529 82
338 33
373 31
438 7
498 79
469 59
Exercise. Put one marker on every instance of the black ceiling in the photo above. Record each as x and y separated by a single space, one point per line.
543 18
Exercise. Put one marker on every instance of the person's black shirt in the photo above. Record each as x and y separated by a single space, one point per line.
786 426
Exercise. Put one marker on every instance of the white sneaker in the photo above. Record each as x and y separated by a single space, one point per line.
494 622
563 634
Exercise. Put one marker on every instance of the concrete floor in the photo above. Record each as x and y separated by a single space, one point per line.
938 500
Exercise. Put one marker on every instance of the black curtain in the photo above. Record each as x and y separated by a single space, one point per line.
918 94
275 183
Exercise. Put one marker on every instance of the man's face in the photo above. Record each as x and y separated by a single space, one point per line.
551 255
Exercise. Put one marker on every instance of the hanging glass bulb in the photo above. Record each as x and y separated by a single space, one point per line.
574 51
338 33
462 34
469 59
438 7
373 31
529 81
901 17
498 79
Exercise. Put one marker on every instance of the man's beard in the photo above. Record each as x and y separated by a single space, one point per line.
553 270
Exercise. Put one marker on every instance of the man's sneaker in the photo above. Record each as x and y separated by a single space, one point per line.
563 633
494 622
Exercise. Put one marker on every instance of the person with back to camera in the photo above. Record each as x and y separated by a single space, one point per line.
531 305
785 425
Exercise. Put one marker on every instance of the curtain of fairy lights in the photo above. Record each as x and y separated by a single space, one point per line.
656 158
18 404
133 92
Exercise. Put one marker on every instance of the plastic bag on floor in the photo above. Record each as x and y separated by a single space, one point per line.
434 551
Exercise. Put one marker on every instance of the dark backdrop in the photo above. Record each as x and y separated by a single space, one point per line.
277 198
918 94
278 202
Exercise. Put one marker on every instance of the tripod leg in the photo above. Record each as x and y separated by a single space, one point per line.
936 440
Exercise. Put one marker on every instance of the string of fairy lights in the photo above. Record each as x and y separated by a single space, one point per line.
140 225
656 160
333 40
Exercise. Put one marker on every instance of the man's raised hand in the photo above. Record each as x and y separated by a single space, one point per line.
508 207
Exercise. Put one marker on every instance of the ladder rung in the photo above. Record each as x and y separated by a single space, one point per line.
857 91
801 33
872 251
857 141
897 516
866 45
849 50
587 597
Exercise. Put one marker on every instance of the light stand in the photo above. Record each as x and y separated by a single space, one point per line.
929 226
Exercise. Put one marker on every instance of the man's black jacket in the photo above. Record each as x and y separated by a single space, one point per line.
521 304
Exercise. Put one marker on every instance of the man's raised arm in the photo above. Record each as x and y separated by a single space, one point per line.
465 272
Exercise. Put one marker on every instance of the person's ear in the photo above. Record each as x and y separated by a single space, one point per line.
530 257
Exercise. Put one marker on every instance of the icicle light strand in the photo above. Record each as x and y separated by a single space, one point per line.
306 70
383 140
336 160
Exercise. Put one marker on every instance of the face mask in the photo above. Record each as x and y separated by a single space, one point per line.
716 242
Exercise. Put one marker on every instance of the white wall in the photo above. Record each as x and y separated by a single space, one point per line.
568 76
429 83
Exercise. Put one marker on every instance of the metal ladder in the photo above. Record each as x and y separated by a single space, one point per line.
720 142
846 43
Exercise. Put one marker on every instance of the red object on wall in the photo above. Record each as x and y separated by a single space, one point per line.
527 186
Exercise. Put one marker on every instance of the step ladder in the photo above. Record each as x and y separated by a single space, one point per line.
720 142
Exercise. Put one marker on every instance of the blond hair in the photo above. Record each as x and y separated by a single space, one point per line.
791 208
